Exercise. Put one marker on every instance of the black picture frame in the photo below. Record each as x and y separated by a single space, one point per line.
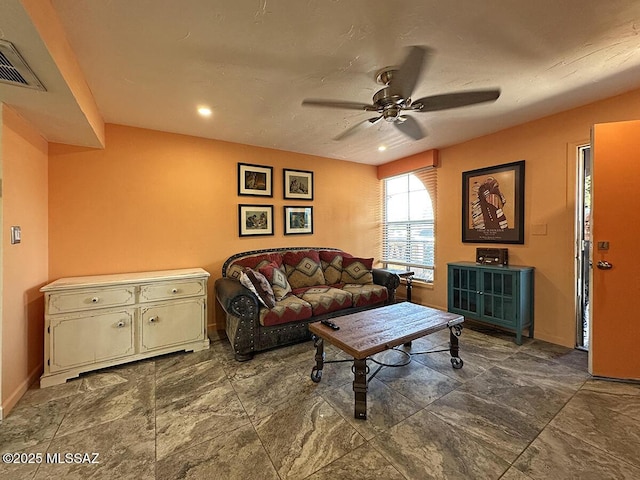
255 180
298 184
493 204
298 220
255 220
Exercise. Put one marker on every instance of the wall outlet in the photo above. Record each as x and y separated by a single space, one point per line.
15 235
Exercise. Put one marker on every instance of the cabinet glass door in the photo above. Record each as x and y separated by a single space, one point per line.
498 295
465 289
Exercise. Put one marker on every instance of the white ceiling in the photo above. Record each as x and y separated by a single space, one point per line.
150 63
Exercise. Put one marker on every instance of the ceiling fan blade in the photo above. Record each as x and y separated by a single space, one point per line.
312 102
453 100
410 127
357 127
404 80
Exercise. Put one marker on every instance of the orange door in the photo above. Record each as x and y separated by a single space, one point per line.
615 295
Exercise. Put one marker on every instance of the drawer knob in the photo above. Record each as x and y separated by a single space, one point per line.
174 290
121 324
153 319
95 300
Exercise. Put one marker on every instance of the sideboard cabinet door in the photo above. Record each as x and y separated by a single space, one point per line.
168 324
86 339
464 290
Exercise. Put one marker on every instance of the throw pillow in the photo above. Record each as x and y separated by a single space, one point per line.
331 261
303 268
357 270
253 261
278 280
258 284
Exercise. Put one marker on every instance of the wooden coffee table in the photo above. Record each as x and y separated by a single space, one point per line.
366 333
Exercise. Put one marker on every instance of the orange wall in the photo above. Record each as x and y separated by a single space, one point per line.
24 266
152 200
548 146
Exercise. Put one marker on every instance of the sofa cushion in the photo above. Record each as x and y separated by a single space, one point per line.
290 309
357 270
277 279
331 262
259 285
252 261
303 268
366 295
325 299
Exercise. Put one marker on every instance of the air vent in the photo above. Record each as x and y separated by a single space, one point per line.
14 70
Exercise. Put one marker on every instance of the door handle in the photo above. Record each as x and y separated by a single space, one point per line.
604 265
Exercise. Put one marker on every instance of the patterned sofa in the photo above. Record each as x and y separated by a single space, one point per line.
269 296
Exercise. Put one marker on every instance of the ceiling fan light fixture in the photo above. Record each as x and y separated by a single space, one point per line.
395 97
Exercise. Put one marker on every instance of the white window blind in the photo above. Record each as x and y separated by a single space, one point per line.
408 237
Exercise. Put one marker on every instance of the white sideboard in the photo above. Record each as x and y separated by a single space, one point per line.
99 321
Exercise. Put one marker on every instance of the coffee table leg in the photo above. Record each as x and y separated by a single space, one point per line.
360 388
316 372
454 347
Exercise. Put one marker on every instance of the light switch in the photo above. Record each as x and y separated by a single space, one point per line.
15 235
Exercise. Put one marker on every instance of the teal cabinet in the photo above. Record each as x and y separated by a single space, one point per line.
500 296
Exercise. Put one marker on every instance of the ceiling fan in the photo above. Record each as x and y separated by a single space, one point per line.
394 98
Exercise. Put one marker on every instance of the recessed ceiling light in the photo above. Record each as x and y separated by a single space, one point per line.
204 111
382 148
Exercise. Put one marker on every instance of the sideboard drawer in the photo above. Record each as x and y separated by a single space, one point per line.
90 299
154 292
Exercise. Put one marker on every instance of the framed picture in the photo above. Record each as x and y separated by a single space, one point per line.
298 220
298 184
255 180
493 204
255 220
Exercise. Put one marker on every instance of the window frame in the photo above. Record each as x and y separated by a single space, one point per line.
424 272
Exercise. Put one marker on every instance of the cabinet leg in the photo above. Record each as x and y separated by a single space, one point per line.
519 336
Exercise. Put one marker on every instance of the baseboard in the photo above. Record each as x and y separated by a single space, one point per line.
22 388
634 381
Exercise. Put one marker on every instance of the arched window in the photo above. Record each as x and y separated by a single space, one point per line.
409 223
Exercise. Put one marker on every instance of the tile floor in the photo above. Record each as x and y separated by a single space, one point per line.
512 412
